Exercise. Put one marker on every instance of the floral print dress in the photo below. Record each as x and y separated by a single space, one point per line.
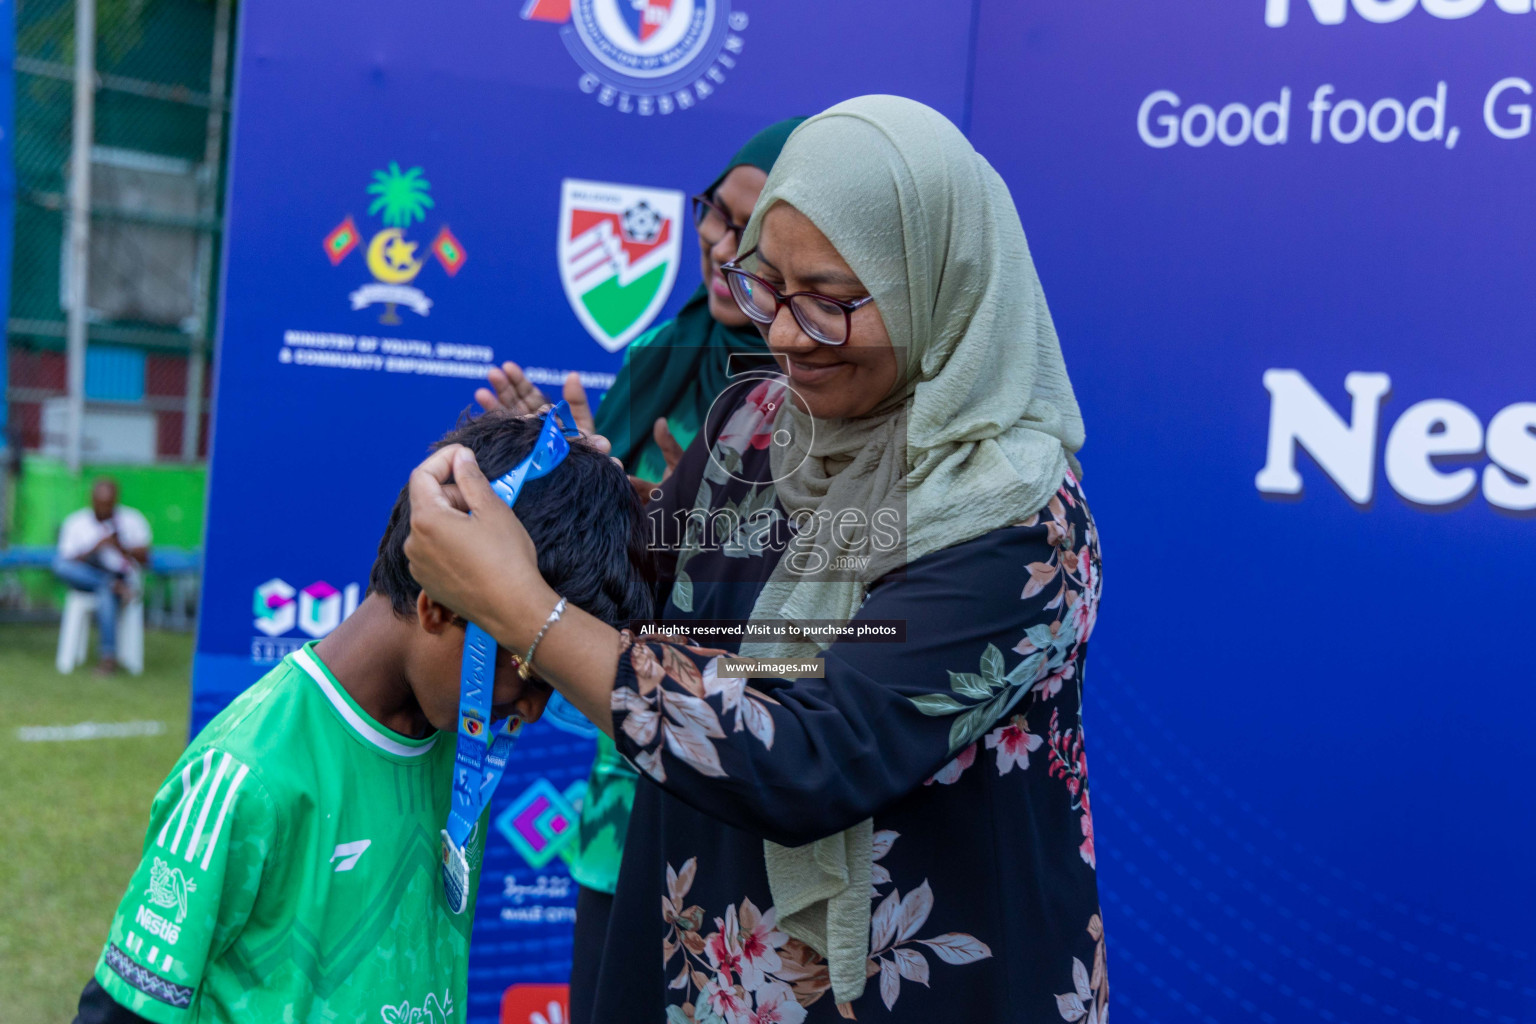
964 743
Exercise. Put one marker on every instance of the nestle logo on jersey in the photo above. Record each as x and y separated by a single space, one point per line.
1331 12
157 925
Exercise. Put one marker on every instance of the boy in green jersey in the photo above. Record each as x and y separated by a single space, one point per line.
291 867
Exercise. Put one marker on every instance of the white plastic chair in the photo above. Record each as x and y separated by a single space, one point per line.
75 633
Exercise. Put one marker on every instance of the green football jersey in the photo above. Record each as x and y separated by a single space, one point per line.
291 870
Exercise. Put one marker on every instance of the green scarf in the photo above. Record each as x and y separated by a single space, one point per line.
680 367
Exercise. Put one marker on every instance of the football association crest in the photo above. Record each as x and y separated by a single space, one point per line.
618 250
400 198
647 56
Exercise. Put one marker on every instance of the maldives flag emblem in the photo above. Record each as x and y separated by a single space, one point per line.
618 250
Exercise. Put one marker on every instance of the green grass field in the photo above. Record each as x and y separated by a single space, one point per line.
75 810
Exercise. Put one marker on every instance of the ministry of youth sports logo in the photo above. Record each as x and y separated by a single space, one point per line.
647 56
618 249
399 199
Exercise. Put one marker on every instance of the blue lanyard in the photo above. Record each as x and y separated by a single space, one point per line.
483 746
479 759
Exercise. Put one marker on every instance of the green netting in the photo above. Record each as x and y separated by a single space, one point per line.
165 44
153 60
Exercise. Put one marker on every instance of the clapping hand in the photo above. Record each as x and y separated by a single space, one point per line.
510 389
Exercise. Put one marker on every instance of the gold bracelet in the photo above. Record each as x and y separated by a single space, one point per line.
525 665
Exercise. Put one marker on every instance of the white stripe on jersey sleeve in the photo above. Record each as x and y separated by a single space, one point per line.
186 810
218 825
213 792
181 801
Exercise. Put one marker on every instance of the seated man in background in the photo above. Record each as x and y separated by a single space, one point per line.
290 871
101 549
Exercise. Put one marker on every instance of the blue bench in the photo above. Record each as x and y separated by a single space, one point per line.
162 561
26 558
173 607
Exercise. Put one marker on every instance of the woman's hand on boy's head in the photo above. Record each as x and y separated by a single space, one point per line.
479 562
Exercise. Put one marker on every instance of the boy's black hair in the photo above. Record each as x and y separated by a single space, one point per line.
584 518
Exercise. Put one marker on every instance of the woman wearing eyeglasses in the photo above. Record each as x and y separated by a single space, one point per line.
671 376
897 826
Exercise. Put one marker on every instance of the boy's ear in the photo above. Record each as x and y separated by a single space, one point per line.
433 617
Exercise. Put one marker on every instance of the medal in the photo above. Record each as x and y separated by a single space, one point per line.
455 875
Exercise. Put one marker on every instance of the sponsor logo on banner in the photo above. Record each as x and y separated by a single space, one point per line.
279 609
536 1004
647 56
619 248
399 199
541 823
1420 453
1332 12
550 899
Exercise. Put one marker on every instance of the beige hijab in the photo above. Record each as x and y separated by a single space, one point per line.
977 434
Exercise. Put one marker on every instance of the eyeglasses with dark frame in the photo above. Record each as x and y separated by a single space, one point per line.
712 222
825 319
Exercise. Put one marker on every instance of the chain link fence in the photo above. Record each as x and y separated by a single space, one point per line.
157 179
162 71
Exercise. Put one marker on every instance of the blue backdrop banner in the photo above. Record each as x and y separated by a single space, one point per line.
414 195
1287 245
1288 248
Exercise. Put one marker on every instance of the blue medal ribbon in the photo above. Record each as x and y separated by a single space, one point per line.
483 746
